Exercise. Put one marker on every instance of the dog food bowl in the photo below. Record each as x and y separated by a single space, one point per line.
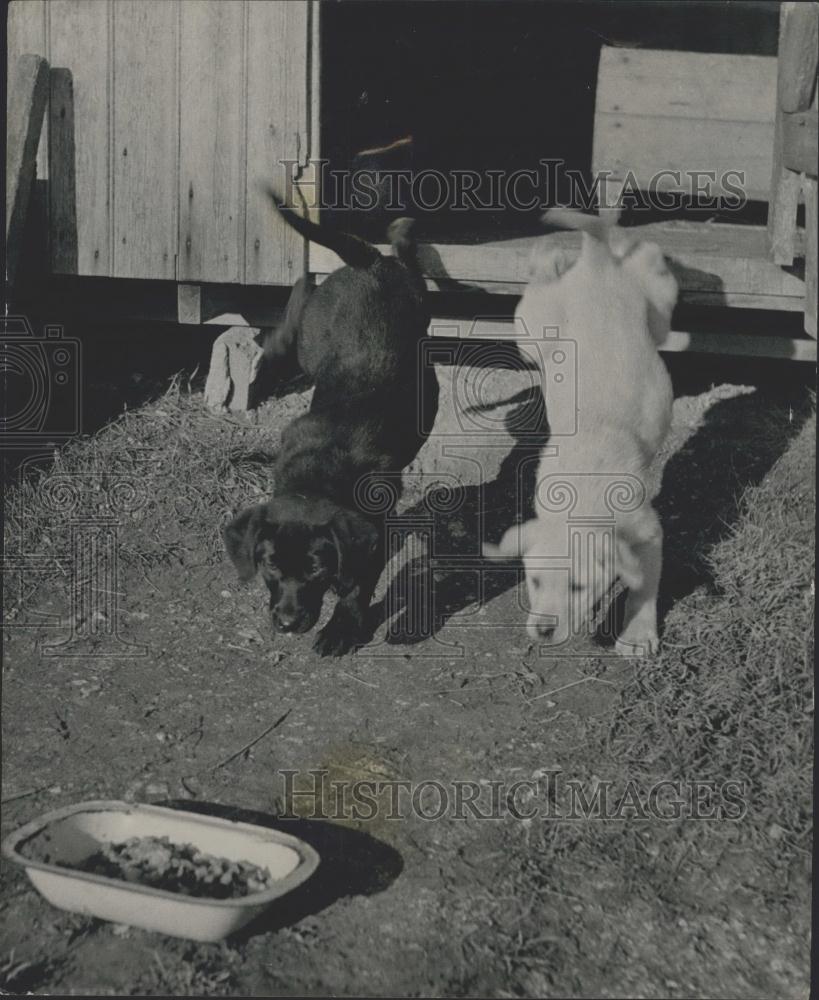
72 834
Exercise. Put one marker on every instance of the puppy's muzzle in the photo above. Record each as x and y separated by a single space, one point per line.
295 622
542 628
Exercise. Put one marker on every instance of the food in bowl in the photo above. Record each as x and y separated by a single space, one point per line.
182 868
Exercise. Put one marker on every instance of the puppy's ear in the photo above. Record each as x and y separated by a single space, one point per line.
659 286
628 565
240 538
356 540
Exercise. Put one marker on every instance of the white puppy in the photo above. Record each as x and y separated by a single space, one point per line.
615 302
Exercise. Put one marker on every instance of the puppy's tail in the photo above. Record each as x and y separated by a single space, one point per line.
400 234
352 250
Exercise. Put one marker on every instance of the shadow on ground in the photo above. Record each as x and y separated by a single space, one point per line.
352 863
737 442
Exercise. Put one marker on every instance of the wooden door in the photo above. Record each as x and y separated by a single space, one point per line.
164 118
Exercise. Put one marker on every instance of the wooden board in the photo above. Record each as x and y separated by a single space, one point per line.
145 138
716 265
79 43
699 85
798 49
277 113
811 255
749 345
212 176
26 33
658 111
111 300
796 83
649 146
27 96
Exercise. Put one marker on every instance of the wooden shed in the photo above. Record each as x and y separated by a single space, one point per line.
163 116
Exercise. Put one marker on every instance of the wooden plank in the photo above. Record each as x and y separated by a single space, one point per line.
277 85
714 268
212 141
798 41
27 96
26 34
746 345
800 141
62 185
811 256
145 122
699 85
796 83
79 33
648 145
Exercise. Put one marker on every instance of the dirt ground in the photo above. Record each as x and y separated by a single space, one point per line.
417 906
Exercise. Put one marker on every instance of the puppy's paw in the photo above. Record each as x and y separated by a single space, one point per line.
637 643
336 639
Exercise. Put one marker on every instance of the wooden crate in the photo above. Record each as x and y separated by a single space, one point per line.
658 111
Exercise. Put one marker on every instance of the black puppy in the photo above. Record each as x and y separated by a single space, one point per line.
357 336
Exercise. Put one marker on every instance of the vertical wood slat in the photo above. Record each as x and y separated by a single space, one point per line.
277 113
27 95
145 139
798 45
26 34
796 80
212 151
80 45
811 256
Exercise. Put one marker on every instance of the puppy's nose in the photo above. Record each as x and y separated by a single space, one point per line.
287 623
540 628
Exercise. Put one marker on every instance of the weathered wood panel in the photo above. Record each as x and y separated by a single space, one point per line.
146 138
702 85
26 33
798 49
649 145
715 265
212 140
689 111
277 116
79 42
811 254
796 83
62 184
27 96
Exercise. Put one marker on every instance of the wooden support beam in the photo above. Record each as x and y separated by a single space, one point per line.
811 262
720 265
28 93
699 342
795 86
800 140
798 45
